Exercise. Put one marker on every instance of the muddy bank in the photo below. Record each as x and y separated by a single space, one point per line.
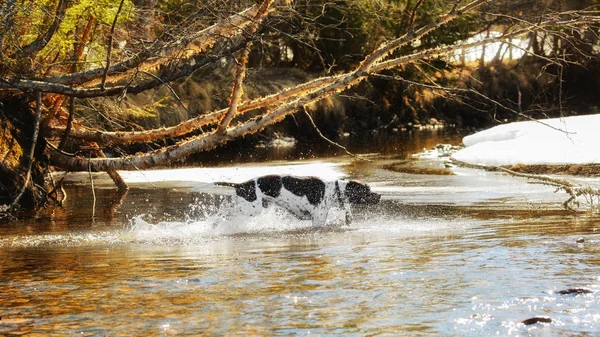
585 170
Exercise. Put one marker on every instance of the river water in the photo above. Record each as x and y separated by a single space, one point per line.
461 252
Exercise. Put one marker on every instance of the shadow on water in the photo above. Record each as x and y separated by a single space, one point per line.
469 254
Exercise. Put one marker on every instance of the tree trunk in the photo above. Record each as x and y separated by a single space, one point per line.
16 139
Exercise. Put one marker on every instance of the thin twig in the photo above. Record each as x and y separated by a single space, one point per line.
58 186
65 136
543 178
36 131
331 141
177 98
93 190
55 148
109 47
411 23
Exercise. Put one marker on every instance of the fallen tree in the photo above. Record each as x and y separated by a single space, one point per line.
38 90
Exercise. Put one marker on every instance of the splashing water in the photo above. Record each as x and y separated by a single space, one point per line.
210 217
205 221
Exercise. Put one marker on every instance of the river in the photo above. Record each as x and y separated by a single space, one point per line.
455 252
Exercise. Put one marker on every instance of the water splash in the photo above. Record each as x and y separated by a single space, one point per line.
204 222
209 218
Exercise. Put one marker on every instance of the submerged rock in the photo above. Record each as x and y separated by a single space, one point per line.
576 291
537 319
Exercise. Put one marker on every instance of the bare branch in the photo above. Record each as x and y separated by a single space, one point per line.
331 141
69 127
294 99
110 44
364 68
44 86
236 92
574 191
411 22
177 98
387 48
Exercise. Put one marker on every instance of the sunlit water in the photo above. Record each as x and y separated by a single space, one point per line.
470 254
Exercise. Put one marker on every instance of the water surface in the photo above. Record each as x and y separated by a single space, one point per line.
469 254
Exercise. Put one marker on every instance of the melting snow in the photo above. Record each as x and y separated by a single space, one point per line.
568 140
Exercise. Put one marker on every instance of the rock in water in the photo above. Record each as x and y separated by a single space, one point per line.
537 319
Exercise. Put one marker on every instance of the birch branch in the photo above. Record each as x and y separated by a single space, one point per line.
50 87
191 125
574 191
387 48
291 94
236 92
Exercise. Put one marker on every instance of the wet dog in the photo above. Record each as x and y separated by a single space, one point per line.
307 198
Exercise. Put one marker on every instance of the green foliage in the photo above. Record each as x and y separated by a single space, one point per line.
149 110
33 18
79 14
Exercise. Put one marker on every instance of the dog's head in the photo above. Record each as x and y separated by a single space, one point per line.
359 193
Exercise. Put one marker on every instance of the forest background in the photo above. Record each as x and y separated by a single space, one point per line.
152 82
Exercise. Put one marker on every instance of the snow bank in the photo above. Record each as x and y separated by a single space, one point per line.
569 140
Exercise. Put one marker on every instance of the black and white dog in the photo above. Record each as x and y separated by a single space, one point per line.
308 198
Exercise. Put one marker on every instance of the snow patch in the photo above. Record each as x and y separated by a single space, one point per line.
568 140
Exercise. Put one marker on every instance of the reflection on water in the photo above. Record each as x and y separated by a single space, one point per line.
471 254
